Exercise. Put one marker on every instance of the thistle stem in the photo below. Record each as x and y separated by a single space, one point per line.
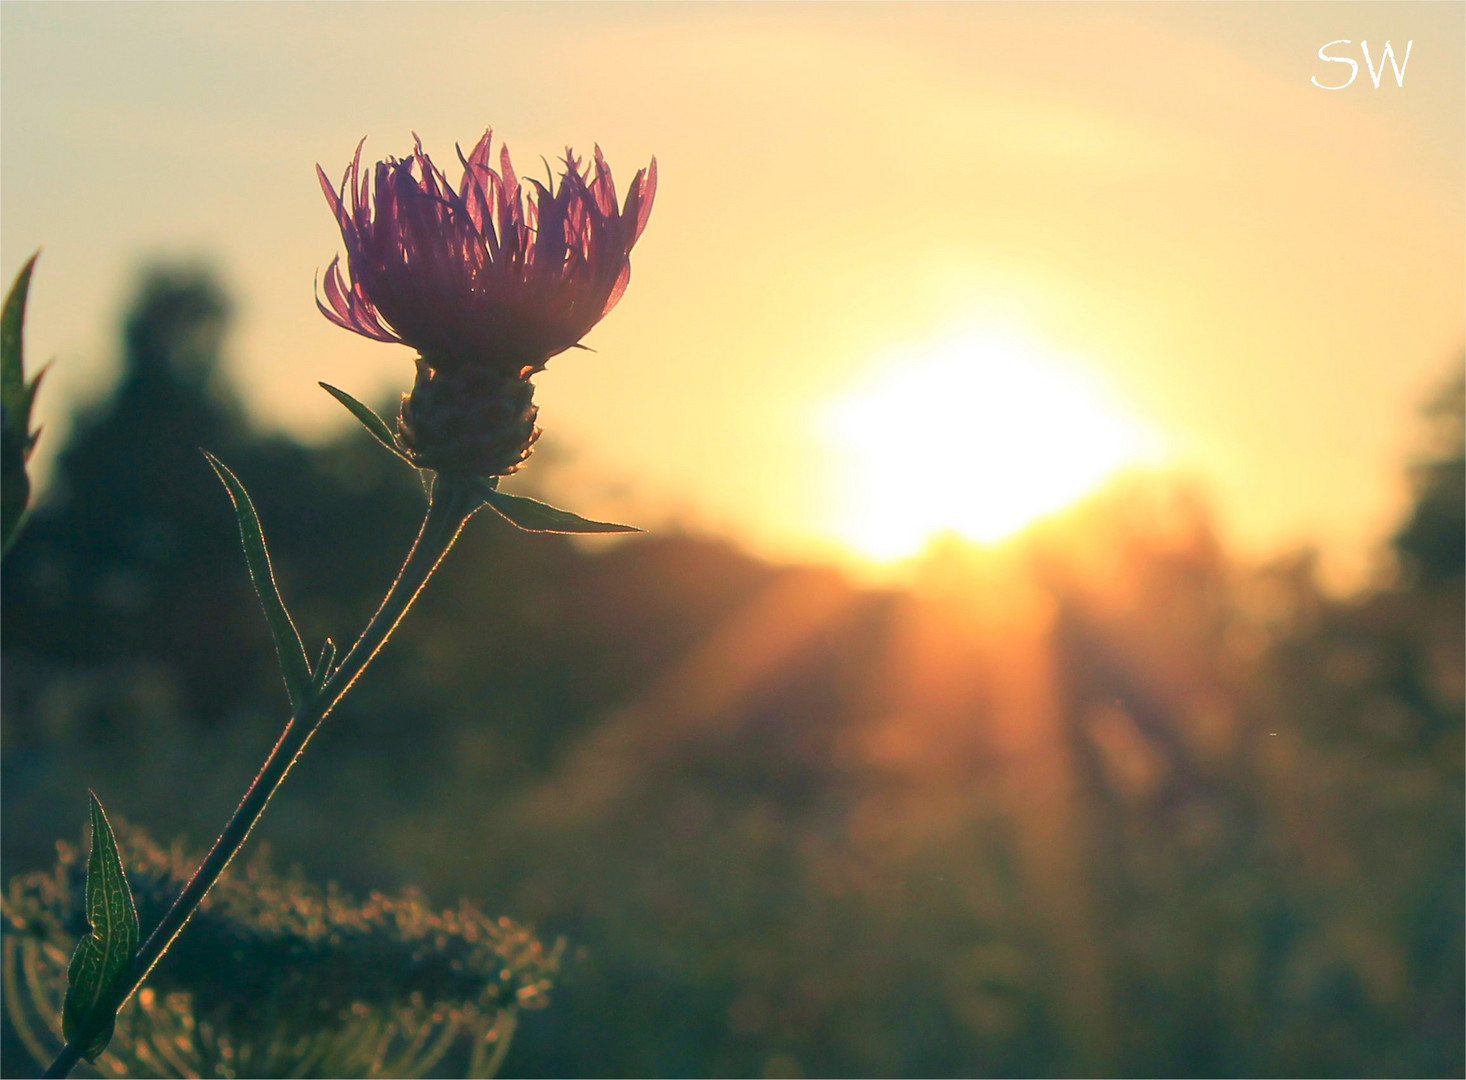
451 506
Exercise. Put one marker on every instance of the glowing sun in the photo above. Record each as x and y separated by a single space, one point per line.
978 436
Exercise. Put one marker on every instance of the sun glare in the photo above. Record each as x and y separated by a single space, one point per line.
978 436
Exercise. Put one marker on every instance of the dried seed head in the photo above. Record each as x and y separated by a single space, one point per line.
276 975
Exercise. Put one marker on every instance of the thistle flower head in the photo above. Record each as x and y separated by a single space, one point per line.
498 272
487 281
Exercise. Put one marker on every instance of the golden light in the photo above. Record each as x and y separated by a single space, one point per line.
976 435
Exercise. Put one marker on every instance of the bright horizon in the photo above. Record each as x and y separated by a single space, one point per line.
1209 263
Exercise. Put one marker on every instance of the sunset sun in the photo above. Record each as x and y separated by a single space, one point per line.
977 436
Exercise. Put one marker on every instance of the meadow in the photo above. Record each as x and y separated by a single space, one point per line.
1109 801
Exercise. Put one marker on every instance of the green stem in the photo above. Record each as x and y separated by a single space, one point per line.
452 505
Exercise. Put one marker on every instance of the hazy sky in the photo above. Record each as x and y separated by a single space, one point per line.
1266 273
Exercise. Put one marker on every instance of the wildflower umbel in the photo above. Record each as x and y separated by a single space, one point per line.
486 281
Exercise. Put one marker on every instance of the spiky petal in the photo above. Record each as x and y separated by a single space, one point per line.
494 273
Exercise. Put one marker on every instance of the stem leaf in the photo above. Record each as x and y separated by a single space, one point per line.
323 667
12 321
531 515
294 664
369 420
16 397
103 958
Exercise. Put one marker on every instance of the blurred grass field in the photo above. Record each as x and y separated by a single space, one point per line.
1110 803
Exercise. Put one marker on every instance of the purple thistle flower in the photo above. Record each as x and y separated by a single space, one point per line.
487 281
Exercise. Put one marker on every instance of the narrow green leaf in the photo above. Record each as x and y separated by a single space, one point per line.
294 663
15 491
12 357
13 527
531 515
369 420
16 438
323 666
99 967
31 389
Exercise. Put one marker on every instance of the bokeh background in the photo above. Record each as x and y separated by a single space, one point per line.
1047 657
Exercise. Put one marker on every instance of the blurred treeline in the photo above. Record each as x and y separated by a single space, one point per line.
1110 805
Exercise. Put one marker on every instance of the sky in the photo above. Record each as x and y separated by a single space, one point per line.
1260 279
